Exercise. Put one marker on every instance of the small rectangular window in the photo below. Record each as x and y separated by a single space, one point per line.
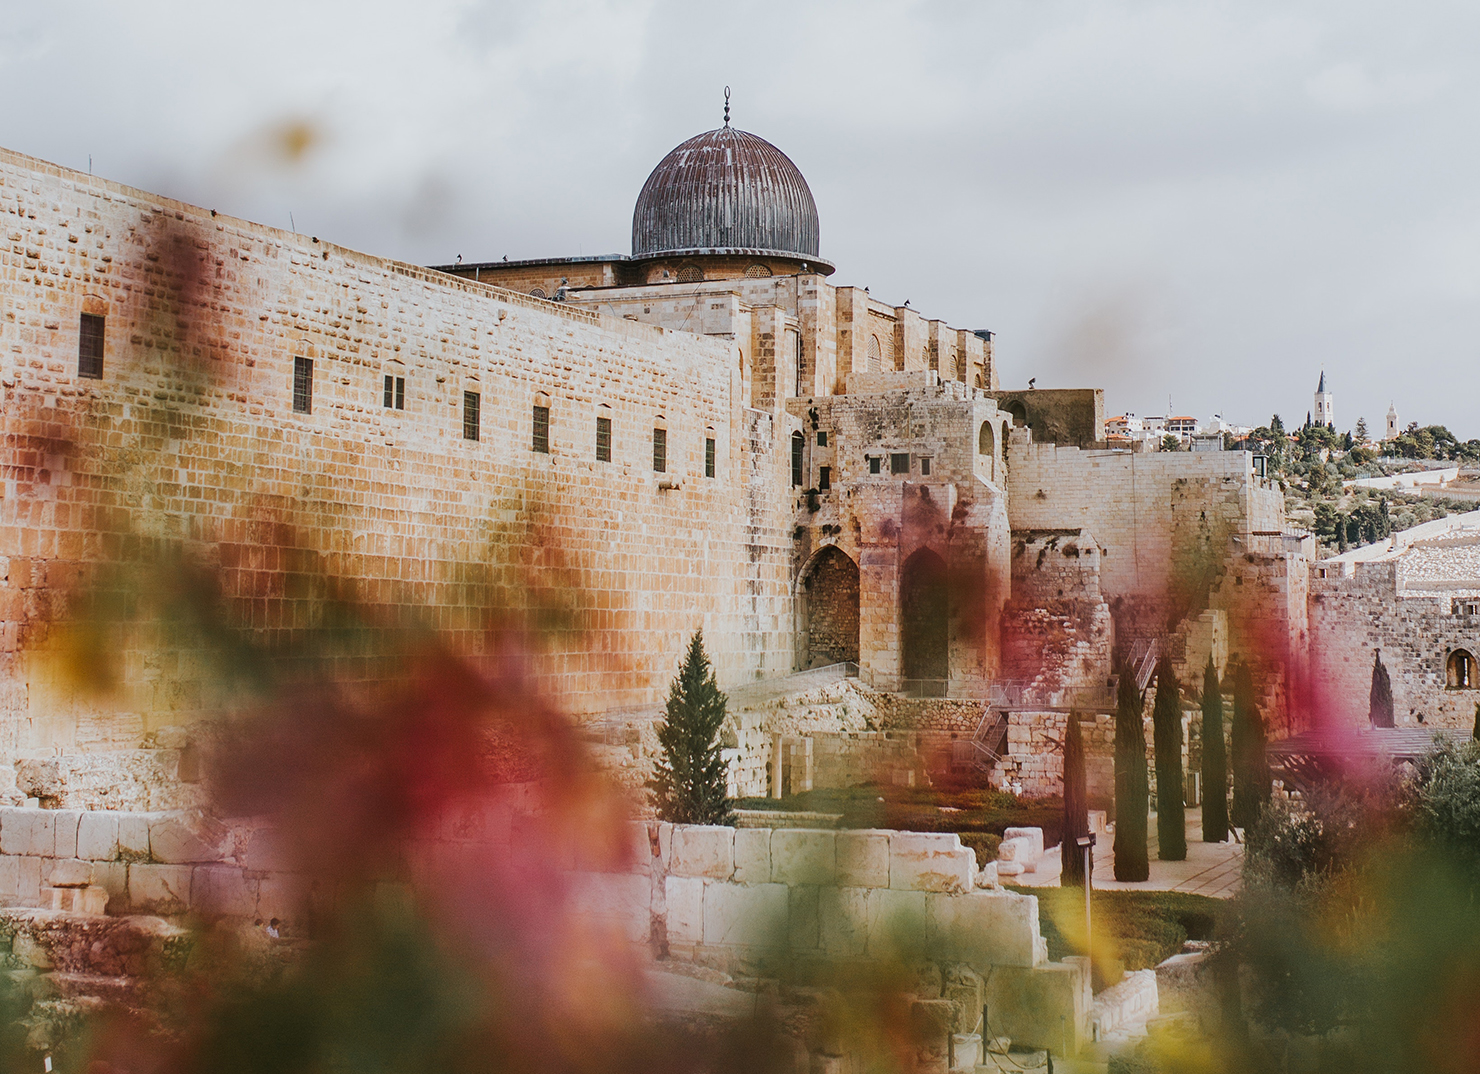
821 438
542 430
924 465
303 385
796 460
90 347
603 439
400 393
471 402
709 456
660 450
874 464
395 392
899 463
824 478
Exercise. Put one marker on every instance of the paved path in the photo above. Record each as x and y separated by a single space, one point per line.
1210 869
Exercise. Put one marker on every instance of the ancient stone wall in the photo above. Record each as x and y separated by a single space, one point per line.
1057 632
1058 415
189 444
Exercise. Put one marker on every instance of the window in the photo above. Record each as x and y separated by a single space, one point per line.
541 430
985 441
757 271
821 439
875 464
800 370
471 404
603 439
796 460
303 385
690 273
924 465
90 347
1460 671
824 478
660 451
875 355
899 463
538 292
709 456
395 392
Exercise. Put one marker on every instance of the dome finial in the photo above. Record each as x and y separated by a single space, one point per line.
727 106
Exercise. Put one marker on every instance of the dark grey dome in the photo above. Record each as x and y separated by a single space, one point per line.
725 191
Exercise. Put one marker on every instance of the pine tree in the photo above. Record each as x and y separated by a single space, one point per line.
1166 734
1362 429
1380 699
688 781
1251 779
1076 804
1131 862
1214 759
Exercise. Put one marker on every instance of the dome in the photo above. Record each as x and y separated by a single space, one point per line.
726 191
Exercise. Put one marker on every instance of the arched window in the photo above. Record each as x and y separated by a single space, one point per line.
875 355
979 382
1460 672
796 460
538 292
986 442
757 271
690 273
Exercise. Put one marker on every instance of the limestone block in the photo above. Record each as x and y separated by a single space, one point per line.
929 861
986 876
20 880
963 987
97 835
843 920
803 856
1035 1007
984 928
80 900
65 821
706 850
802 924
278 897
863 859
1097 822
898 922
752 855
1009 868
685 901
159 889
1034 836
223 889
30 832
621 901
1019 852
133 836
639 846
112 877
68 873
179 838
265 852
754 915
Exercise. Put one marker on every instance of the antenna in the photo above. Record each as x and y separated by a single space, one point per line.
727 106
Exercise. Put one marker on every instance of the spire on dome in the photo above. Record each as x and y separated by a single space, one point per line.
727 116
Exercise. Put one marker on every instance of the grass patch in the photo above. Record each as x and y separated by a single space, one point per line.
1138 928
967 811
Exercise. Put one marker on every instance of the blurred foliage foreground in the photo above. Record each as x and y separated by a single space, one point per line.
357 739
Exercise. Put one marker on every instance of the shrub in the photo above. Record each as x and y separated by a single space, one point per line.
985 845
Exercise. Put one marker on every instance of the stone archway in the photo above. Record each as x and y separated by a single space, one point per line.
830 588
924 625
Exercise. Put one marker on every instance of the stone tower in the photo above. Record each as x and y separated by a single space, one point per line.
1392 422
1325 408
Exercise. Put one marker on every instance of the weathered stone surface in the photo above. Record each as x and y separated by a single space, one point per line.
620 901
223 889
752 855
28 831
985 928
685 901
802 933
1017 852
703 850
963 987
133 836
79 900
843 920
863 859
182 838
159 889
66 826
20 880
97 836
754 915
132 780
802 856
986 875
1034 837
106 946
67 873
929 861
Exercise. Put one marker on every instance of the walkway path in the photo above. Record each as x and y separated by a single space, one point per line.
1210 869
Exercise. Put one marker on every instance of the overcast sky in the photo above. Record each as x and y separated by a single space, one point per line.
1210 202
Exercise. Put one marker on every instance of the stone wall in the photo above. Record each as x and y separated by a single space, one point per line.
1058 415
189 444
1034 756
1058 636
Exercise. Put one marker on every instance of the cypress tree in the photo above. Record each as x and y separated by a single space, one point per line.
1214 759
1131 863
1380 699
1076 805
1251 779
1166 734
688 781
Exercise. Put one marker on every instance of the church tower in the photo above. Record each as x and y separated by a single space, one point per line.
1325 408
1392 422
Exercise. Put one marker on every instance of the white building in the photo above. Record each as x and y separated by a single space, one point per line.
1324 412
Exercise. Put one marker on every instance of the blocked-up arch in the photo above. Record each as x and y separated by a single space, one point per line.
875 355
830 592
924 627
1018 412
986 440
1460 671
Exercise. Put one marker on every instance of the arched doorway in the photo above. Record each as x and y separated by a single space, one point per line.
831 592
1460 671
924 629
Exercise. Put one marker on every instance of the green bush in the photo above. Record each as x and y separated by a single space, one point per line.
1144 927
984 843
